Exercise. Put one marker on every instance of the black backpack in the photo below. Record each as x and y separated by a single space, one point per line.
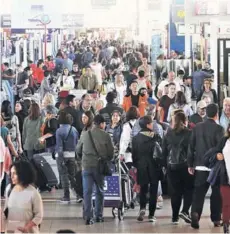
177 156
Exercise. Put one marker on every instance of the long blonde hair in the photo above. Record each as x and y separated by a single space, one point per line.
48 100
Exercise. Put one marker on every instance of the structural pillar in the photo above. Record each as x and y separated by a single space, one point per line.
214 32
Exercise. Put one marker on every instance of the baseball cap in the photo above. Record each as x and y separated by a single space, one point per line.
201 104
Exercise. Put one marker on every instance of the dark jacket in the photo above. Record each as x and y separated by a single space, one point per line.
21 117
143 144
215 99
218 174
51 126
116 133
176 143
107 111
76 117
205 136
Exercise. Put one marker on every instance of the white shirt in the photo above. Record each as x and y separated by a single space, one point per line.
226 153
97 69
142 83
68 82
121 91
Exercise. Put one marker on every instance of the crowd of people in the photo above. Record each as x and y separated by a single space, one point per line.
169 133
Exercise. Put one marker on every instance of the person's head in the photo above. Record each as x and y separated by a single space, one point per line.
171 76
152 111
28 70
188 80
66 72
143 92
88 71
116 117
134 87
180 73
7 108
71 100
141 74
50 111
22 173
110 97
27 104
180 98
146 122
179 121
226 106
48 100
34 111
18 107
87 101
87 118
207 85
5 66
201 108
132 113
46 74
144 61
171 89
65 118
119 78
199 67
99 121
212 111
75 67
207 65
40 64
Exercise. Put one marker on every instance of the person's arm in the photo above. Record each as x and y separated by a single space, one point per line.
96 83
110 148
215 98
80 83
169 117
192 151
72 84
134 152
59 144
18 135
11 146
80 145
165 150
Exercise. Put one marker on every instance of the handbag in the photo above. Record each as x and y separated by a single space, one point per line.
103 167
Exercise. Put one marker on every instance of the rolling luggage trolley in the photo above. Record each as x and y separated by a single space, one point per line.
117 191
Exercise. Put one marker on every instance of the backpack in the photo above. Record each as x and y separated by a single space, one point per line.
177 156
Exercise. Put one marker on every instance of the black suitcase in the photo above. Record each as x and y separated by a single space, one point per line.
46 178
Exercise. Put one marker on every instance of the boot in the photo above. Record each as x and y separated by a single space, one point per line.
226 228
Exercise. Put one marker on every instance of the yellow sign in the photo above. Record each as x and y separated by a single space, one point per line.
181 14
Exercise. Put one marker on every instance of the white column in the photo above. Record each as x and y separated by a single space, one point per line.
214 31
17 51
31 49
40 55
25 53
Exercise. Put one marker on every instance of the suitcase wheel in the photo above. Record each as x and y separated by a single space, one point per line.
114 213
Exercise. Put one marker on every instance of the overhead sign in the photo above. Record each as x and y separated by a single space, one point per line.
72 20
34 12
6 21
207 7
103 4
178 11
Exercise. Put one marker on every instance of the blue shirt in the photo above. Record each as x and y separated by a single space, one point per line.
62 142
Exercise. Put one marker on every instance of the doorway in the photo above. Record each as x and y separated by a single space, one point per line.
223 65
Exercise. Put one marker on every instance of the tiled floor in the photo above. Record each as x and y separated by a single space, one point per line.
59 216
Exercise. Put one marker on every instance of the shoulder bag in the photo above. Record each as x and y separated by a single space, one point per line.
103 167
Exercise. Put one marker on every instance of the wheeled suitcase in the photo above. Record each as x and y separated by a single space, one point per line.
46 177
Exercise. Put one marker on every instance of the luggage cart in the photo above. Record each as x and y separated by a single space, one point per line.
117 191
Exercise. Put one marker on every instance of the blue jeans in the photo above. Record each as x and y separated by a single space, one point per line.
90 178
